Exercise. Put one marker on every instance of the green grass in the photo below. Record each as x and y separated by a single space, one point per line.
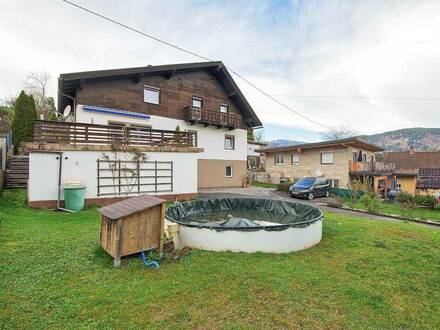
363 275
264 185
396 208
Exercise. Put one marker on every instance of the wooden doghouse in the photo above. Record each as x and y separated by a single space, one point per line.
132 226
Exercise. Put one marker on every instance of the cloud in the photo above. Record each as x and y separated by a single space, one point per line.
354 48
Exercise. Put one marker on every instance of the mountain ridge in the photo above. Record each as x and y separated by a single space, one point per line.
418 138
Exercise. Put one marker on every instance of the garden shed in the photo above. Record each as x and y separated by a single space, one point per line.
132 225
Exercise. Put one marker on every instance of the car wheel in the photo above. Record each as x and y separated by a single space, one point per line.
327 194
310 196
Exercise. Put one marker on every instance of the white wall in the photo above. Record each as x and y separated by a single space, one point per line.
81 166
252 147
209 138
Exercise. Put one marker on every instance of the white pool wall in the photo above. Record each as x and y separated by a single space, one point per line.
283 241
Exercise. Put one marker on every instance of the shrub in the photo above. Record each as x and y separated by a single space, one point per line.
403 198
23 122
428 201
371 202
284 186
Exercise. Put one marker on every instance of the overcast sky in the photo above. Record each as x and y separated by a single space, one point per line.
303 48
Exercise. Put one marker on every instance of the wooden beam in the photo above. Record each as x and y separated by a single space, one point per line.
138 78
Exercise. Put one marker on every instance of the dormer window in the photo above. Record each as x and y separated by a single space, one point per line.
224 108
197 102
151 95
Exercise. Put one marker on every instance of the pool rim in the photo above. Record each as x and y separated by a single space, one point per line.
277 227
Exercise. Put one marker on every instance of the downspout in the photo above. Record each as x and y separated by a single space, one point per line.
60 170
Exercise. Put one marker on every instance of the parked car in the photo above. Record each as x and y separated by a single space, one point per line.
310 187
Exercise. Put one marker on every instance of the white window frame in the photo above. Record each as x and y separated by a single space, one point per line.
152 89
226 171
281 157
297 157
327 162
232 137
198 99
224 106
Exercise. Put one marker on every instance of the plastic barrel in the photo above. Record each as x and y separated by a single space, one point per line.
74 197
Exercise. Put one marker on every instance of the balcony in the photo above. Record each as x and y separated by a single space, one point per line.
91 134
371 168
208 117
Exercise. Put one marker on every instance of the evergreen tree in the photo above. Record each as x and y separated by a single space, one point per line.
23 123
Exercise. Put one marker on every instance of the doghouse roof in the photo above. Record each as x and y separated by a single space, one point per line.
130 206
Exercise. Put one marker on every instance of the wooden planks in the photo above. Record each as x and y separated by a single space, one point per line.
82 133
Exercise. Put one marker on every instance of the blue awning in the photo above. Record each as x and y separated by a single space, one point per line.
116 112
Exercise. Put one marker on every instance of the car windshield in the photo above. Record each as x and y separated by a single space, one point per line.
305 182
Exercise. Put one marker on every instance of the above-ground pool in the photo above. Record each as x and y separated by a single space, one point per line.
246 225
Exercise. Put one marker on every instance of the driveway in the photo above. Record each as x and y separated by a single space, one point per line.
258 192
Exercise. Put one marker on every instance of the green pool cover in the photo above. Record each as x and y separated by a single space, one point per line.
248 214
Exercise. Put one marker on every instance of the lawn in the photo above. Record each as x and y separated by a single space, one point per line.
396 208
363 275
264 185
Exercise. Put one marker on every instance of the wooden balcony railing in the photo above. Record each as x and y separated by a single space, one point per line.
208 117
371 167
91 134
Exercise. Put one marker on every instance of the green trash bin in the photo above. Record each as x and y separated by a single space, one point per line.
74 197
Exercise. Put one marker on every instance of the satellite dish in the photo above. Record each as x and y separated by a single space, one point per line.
67 111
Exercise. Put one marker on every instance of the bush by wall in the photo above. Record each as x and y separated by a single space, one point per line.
428 201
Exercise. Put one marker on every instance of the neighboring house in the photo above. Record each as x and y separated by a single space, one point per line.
190 119
339 161
416 172
254 159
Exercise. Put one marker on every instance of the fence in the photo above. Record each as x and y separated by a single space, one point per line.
82 133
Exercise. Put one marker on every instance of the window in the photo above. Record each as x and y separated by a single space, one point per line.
197 102
364 158
327 158
372 159
229 142
229 171
224 108
279 159
151 95
295 158
321 182
355 157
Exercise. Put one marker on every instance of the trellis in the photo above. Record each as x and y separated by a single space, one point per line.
127 177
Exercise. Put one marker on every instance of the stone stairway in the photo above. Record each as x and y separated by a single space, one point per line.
16 172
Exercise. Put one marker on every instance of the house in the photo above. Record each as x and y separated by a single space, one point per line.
340 161
416 172
255 161
190 120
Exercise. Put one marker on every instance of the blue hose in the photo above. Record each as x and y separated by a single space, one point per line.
147 263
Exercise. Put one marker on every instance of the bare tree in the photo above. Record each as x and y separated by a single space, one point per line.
258 135
340 132
37 85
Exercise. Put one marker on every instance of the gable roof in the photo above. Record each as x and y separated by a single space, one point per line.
68 82
130 206
409 160
355 142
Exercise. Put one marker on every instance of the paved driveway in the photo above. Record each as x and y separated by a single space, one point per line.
274 194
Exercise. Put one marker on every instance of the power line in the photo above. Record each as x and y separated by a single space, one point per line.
196 55
397 98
